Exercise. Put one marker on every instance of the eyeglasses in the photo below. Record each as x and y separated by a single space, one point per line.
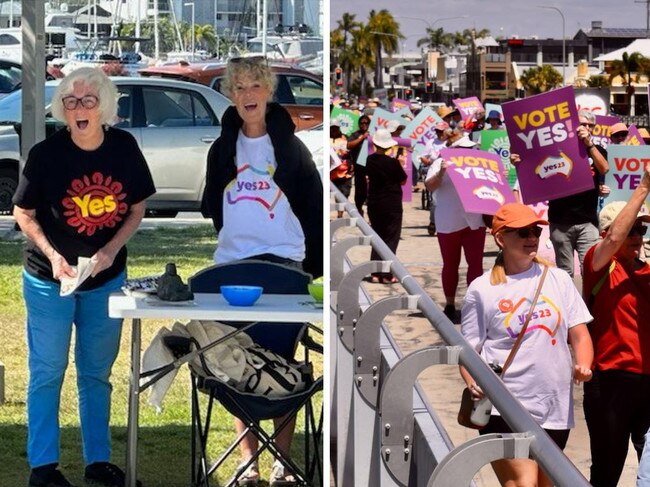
639 230
526 232
590 125
364 123
72 102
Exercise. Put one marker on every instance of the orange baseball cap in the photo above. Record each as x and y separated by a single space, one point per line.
515 215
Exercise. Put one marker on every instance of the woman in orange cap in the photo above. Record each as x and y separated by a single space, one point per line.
542 372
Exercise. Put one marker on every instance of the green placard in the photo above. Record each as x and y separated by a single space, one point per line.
348 119
497 142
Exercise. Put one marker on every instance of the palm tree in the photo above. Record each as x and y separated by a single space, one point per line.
362 47
436 39
205 36
541 79
339 44
346 25
625 67
385 35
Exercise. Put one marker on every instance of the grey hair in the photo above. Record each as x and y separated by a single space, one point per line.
94 77
587 115
255 67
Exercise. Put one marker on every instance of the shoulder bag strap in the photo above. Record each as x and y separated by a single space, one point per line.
520 337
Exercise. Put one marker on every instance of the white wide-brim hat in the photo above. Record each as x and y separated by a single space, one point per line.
383 139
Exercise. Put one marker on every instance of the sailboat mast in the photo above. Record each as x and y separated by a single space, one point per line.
265 15
175 22
156 36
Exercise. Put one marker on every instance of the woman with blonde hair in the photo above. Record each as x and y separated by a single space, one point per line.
541 373
265 197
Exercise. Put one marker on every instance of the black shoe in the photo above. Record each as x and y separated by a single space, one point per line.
451 313
48 476
104 473
431 229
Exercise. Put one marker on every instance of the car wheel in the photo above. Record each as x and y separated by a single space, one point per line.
8 185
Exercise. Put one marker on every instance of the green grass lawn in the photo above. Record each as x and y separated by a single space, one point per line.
164 446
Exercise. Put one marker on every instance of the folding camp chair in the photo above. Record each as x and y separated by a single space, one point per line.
250 408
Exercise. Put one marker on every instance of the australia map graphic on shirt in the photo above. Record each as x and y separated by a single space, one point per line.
256 185
94 202
545 318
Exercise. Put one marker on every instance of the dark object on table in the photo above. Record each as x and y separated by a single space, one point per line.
171 287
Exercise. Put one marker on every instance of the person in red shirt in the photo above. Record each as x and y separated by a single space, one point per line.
616 285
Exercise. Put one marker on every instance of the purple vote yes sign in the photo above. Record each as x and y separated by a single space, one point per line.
479 179
542 130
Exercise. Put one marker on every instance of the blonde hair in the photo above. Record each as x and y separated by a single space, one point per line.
255 67
498 272
95 78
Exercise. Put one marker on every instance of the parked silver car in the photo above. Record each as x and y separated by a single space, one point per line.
174 122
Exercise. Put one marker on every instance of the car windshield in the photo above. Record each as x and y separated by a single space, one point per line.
11 105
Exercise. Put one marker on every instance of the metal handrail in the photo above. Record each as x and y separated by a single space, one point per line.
542 448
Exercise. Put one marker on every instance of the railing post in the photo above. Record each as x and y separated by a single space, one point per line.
347 298
396 407
367 378
337 258
458 468
339 223
348 311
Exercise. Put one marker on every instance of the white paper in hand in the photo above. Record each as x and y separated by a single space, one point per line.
84 268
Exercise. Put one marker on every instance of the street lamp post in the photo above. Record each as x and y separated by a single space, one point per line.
191 4
563 41
216 34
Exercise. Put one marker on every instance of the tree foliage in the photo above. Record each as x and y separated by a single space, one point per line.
597 81
357 47
541 79
385 36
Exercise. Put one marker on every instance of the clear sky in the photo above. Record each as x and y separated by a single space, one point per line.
501 17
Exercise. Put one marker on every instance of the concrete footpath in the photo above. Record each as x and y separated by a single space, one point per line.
420 254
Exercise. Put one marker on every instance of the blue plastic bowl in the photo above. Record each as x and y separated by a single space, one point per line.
241 295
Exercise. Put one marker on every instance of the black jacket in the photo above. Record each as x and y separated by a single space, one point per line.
296 175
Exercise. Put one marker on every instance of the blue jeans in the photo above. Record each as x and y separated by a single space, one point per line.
567 238
97 341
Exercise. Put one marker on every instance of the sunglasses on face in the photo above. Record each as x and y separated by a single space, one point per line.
619 135
526 232
72 102
587 124
364 123
639 230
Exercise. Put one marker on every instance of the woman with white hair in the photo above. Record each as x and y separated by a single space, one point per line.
82 194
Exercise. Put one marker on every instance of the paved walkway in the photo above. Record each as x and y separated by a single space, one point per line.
420 254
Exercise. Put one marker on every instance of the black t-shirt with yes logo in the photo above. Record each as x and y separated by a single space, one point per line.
82 198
